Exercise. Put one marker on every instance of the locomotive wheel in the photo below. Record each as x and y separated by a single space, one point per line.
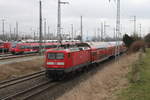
55 77
58 77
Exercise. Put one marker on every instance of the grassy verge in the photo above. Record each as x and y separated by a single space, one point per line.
139 90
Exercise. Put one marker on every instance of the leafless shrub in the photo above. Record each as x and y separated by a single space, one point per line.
137 45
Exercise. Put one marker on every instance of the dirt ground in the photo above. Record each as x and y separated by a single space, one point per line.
16 69
105 84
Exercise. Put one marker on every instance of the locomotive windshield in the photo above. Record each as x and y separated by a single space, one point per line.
55 56
14 45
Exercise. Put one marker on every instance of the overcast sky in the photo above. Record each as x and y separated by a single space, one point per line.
26 12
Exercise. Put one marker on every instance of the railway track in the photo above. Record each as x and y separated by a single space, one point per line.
24 87
30 92
10 56
4 55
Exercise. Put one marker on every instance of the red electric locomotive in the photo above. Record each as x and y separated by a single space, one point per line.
61 61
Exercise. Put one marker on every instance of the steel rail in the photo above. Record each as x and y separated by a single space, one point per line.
40 91
13 56
20 80
6 81
25 91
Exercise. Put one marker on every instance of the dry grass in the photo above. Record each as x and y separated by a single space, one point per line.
104 84
20 68
139 89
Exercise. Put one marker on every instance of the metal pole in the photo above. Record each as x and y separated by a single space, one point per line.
95 35
16 30
3 28
87 36
14 34
10 32
102 31
98 32
81 30
59 20
45 25
114 33
72 31
134 25
49 33
140 30
117 27
34 36
40 26
105 26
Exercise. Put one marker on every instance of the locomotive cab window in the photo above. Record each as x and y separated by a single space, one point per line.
59 56
53 56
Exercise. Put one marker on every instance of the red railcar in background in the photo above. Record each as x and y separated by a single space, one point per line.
5 46
20 48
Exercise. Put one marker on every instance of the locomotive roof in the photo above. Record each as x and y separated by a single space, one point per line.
68 49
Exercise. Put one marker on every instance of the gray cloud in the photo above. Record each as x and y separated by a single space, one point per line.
93 12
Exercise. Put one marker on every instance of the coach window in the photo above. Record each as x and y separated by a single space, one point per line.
22 47
94 53
69 55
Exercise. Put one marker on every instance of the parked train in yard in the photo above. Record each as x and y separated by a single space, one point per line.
61 61
4 47
21 48
31 46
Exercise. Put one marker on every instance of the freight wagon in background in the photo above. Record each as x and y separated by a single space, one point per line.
61 61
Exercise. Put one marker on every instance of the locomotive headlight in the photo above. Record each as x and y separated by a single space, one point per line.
60 63
50 63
